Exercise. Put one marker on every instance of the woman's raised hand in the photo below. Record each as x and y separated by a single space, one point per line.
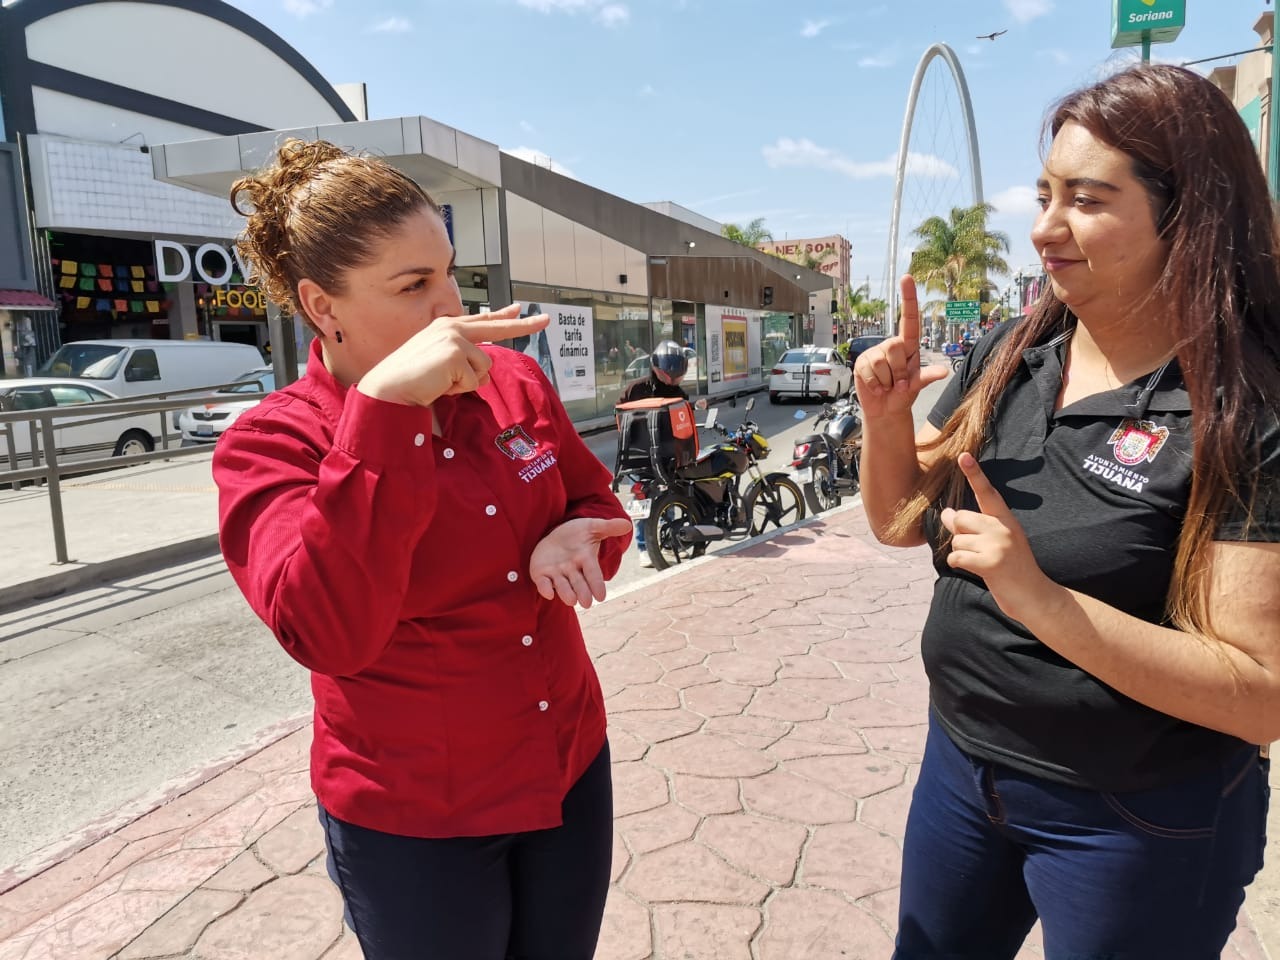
445 358
888 377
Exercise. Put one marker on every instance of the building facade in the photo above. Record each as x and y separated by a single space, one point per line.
81 124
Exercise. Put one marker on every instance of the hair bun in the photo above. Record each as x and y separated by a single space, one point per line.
315 212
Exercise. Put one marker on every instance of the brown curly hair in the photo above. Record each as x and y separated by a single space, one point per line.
316 212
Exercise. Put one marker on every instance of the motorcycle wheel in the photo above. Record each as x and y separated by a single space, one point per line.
670 512
774 503
821 494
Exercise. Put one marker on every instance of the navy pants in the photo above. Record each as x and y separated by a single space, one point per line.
1150 875
532 896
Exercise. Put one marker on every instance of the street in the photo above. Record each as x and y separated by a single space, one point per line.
116 695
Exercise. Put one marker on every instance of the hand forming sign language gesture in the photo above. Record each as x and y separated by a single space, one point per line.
445 358
991 544
566 562
889 377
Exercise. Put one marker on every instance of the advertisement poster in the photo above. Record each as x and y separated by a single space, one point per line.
733 348
715 352
734 327
754 322
565 349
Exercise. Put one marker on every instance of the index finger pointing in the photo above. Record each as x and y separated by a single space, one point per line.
910 328
485 328
989 500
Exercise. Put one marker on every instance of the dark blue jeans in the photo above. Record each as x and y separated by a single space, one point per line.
1152 875
519 896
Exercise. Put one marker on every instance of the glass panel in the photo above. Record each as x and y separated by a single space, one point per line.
92 361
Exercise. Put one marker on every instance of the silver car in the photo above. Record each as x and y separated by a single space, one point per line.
204 424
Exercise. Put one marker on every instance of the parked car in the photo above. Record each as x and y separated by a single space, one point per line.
130 368
860 344
204 424
809 372
73 439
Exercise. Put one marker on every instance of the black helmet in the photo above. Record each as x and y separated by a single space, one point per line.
668 361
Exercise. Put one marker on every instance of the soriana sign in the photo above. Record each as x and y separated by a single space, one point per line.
1160 20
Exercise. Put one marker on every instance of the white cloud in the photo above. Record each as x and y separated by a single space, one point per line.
885 58
613 15
1017 201
1024 11
391 25
812 28
1060 57
607 13
805 153
647 90
305 8
974 50
539 159
526 126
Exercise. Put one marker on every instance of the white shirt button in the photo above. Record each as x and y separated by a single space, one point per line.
513 576
543 705
527 640
491 509
448 453
420 439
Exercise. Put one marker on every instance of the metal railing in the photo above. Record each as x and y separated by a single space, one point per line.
46 468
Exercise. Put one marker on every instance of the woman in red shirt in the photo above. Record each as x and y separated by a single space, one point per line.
414 519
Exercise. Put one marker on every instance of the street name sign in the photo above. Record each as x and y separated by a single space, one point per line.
963 311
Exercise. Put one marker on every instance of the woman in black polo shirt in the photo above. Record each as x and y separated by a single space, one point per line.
1101 486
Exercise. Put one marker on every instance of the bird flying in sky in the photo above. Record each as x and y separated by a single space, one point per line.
992 36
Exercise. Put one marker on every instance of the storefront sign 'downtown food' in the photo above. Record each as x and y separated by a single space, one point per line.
212 263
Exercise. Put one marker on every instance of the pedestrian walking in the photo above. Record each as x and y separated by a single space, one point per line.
1101 485
414 519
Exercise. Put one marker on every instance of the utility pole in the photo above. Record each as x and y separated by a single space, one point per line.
1273 122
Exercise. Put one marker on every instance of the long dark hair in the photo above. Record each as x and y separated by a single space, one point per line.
1220 287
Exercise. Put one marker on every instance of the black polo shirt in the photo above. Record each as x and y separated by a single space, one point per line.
1100 487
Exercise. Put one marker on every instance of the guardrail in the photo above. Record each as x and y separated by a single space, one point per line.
41 424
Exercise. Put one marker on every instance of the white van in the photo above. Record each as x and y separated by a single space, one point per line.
131 368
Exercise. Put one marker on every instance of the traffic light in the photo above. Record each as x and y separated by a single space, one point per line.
766 296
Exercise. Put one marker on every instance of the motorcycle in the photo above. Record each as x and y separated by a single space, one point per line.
825 463
687 508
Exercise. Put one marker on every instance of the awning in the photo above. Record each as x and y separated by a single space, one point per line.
24 300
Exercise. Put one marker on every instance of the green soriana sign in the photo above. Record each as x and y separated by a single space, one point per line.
1160 20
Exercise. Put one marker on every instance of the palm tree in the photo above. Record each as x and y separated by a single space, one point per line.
752 235
957 257
959 254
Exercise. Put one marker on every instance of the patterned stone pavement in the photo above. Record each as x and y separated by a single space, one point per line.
766 718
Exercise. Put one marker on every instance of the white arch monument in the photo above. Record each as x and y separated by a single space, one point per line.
975 164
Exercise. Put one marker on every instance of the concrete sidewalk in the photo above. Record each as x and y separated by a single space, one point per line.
767 714
117 522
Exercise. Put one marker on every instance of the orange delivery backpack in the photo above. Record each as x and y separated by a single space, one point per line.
655 436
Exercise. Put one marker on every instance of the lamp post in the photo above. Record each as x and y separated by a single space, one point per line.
1273 122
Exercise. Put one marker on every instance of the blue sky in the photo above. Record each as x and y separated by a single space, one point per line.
744 108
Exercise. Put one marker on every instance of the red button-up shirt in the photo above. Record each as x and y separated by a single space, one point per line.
450 698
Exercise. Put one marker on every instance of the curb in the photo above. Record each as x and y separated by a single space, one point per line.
82 575
48 857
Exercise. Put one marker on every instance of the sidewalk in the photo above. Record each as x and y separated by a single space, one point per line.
111 529
766 717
